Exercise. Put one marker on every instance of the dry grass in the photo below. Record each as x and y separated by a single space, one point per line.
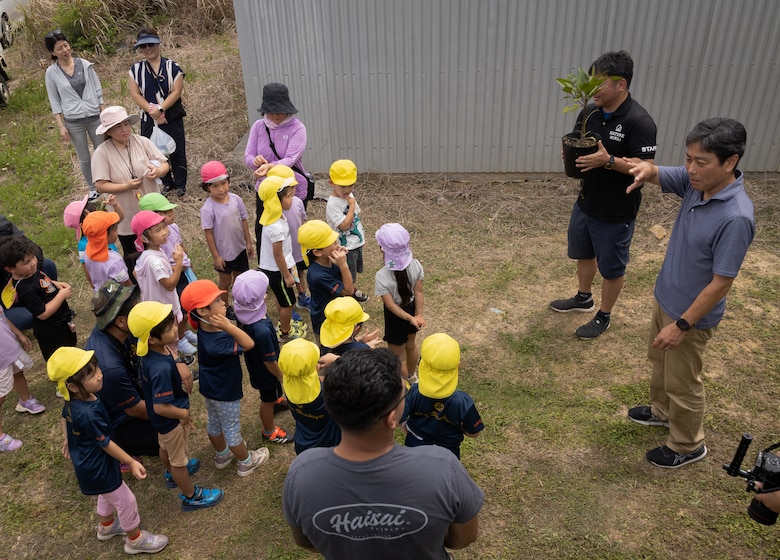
563 470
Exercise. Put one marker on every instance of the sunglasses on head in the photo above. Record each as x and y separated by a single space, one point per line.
53 34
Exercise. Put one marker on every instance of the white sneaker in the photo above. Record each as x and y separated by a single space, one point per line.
191 337
147 543
258 457
186 348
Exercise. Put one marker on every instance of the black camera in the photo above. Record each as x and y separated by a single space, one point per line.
766 471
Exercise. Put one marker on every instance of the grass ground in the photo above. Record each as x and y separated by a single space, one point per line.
562 469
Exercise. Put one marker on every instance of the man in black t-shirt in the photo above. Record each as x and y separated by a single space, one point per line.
602 222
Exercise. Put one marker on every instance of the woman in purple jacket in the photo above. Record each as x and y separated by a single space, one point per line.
277 138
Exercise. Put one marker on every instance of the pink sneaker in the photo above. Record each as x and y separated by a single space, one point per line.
30 405
7 443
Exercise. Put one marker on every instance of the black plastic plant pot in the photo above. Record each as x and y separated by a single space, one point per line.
574 147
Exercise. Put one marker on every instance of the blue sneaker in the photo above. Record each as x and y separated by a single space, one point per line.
296 317
304 302
193 466
203 498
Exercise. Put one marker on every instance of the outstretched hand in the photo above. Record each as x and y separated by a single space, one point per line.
642 171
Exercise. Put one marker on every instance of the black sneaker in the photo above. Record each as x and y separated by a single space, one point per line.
167 189
360 296
592 329
643 415
573 304
667 458
181 192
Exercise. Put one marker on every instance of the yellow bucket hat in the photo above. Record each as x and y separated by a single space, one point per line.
439 360
315 234
343 172
284 172
298 362
65 362
272 206
143 318
341 316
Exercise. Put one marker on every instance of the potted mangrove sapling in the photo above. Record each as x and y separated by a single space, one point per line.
579 88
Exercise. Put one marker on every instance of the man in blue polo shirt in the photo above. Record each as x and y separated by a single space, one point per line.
114 348
602 221
709 240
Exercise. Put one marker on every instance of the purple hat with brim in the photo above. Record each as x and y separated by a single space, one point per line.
248 291
394 241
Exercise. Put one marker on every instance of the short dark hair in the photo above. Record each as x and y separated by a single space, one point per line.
205 186
51 40
161 327
88 369
15 248
616 63
361 387
721 136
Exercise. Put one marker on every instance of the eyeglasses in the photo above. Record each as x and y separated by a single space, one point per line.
53 34
147 46
404 391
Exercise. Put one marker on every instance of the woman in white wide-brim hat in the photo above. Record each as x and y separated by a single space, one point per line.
128 166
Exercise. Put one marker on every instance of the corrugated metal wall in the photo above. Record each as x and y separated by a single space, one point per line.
468 85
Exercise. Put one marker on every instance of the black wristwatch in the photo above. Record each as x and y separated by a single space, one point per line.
611 163
683 325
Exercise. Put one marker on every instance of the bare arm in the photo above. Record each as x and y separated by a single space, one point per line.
273 367
171 282
250 247
52 307
121 455
350 217
138 410
339 258
243 339
671 336
219 262
282 264
460 535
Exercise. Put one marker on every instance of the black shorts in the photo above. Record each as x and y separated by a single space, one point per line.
267 383
397 330
284 295
238 265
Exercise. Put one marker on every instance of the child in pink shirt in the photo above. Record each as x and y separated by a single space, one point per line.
154 273
223 218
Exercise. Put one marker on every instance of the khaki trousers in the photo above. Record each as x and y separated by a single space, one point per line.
676 387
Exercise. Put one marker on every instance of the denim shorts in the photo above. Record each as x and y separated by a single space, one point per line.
606 242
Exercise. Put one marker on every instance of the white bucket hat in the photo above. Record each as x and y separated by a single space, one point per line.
112 116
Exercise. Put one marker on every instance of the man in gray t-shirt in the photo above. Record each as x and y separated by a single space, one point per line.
368 497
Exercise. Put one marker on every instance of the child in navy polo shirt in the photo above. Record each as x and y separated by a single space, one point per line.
344 318
313 425
167 404
328 271
220 343
436 413
95 455
249 291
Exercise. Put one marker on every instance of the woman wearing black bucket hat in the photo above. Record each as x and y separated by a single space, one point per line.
277 138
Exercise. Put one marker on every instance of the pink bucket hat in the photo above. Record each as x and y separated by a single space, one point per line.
72 215
249 289
394 241
213 172
141 222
